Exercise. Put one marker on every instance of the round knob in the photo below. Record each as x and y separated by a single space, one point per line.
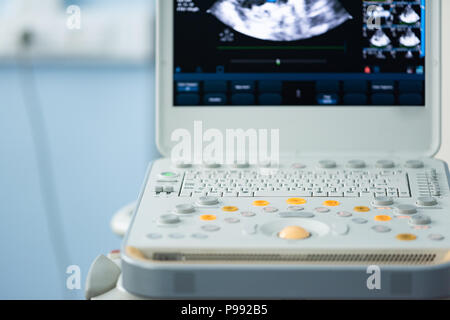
294 233
208 201
414 164
184 208
385 164
356 164
405 209
182 164
327 164
427 201
211 165
265 164
241 165
169 219
420 219
383 201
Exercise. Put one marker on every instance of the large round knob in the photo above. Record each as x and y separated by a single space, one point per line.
383 201
406 209
169 219
294 233
420 220
327 164
184 208
427 201
356 164
207 201
414 164
385 164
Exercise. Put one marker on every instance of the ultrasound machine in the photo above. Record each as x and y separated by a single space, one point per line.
353 90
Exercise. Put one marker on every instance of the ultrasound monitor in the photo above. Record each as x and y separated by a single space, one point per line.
299 53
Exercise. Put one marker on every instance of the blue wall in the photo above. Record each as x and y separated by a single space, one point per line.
100 121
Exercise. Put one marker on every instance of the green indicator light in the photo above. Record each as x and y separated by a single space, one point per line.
168 174
278 62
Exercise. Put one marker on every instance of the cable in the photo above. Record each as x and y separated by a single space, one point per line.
43 158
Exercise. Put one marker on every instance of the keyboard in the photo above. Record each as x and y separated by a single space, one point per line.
299 180
229 221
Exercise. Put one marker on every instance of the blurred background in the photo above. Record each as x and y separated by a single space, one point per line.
94 86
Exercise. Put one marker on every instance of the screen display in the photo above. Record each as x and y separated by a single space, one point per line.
299 53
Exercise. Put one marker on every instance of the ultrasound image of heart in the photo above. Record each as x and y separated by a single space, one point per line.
281 20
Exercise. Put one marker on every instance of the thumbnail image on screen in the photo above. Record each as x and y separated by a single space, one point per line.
299 52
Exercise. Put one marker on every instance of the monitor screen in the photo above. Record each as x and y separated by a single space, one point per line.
299 53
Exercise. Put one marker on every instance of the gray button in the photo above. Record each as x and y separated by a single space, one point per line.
211 165
327 164
248 214
322 210
176 235
208 201
169 219
265 164
159 189
154 236
427 201
232 220
199 236
436 237
385 164
295 208
241 165
405 209
360 220
184 208
344 214
420 219
210 228
381 229
414 164
168 189
383 201
270 209
356 164
296 215
340 229
182 164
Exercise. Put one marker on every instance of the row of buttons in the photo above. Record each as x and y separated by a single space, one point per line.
352 92
269 86
323 164
274 99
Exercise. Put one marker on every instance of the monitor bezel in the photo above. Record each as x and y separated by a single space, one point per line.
406 131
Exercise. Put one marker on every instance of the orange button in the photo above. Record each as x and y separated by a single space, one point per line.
331 203
296 201
294 233
260 203
406 237
208 217
361 209
383 218
230 209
